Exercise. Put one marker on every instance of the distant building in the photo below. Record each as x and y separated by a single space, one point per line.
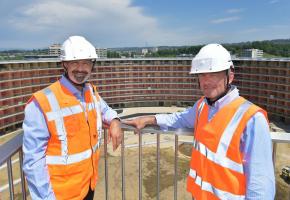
144 51
102 52
154 49
54 49
252 53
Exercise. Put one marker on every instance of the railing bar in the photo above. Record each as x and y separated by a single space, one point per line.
7 150
274 154
10 178
106 164
23 186
140 166
123 168
175 167
158 165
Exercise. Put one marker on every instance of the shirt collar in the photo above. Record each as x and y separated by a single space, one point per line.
66 83
229 97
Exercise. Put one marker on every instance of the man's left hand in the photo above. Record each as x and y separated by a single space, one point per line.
115 133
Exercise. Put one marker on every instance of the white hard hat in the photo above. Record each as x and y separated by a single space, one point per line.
211 58
77 48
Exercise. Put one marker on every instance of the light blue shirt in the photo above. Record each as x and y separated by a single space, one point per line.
35 141
256 145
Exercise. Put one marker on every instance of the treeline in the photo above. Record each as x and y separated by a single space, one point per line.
271 48
173 52
280 48
275 48
16 54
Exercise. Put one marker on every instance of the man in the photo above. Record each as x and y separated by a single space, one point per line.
232 152
63 127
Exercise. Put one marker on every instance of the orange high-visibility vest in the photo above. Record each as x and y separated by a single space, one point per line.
216 167
75 137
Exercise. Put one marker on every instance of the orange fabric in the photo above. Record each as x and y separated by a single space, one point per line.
220 177
209 134
215 127
234 153
196 191
203 115
71 181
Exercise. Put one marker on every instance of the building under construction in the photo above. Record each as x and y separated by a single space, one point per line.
145 82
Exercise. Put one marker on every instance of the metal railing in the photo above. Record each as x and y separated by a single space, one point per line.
7 150
13 146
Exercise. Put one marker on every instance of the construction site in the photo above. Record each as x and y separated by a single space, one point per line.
147 85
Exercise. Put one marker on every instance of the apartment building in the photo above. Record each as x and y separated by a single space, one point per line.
145 82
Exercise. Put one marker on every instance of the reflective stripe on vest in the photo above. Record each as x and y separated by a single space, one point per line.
59 123
206 186
64 112
228 133
216 158
220 156
70 159
99 118
57 115
200 107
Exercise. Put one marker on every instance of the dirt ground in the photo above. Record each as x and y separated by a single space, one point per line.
149 167
167 173
282 159
149 172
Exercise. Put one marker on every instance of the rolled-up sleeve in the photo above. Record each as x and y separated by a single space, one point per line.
35 141
176 120
108 114
258 163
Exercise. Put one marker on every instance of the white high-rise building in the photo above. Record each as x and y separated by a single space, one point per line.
252 53
102 52
144 51
54 49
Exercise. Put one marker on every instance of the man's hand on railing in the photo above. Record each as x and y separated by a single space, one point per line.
115 133
141 122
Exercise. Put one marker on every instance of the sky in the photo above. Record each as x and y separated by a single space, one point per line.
33 24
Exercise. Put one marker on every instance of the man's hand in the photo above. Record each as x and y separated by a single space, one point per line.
115 133
141 122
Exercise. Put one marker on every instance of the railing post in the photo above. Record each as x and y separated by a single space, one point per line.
158 165
175 167
23 186
10 179
274 154
106 164
123 168
140 165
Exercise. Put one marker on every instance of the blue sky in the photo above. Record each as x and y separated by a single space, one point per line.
127 23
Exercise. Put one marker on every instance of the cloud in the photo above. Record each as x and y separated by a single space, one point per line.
234 10
224 20
43 16
107 22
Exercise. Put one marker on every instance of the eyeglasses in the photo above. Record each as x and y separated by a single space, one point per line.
84 63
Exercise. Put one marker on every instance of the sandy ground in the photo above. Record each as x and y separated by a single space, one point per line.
283 159
167 165
149 169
